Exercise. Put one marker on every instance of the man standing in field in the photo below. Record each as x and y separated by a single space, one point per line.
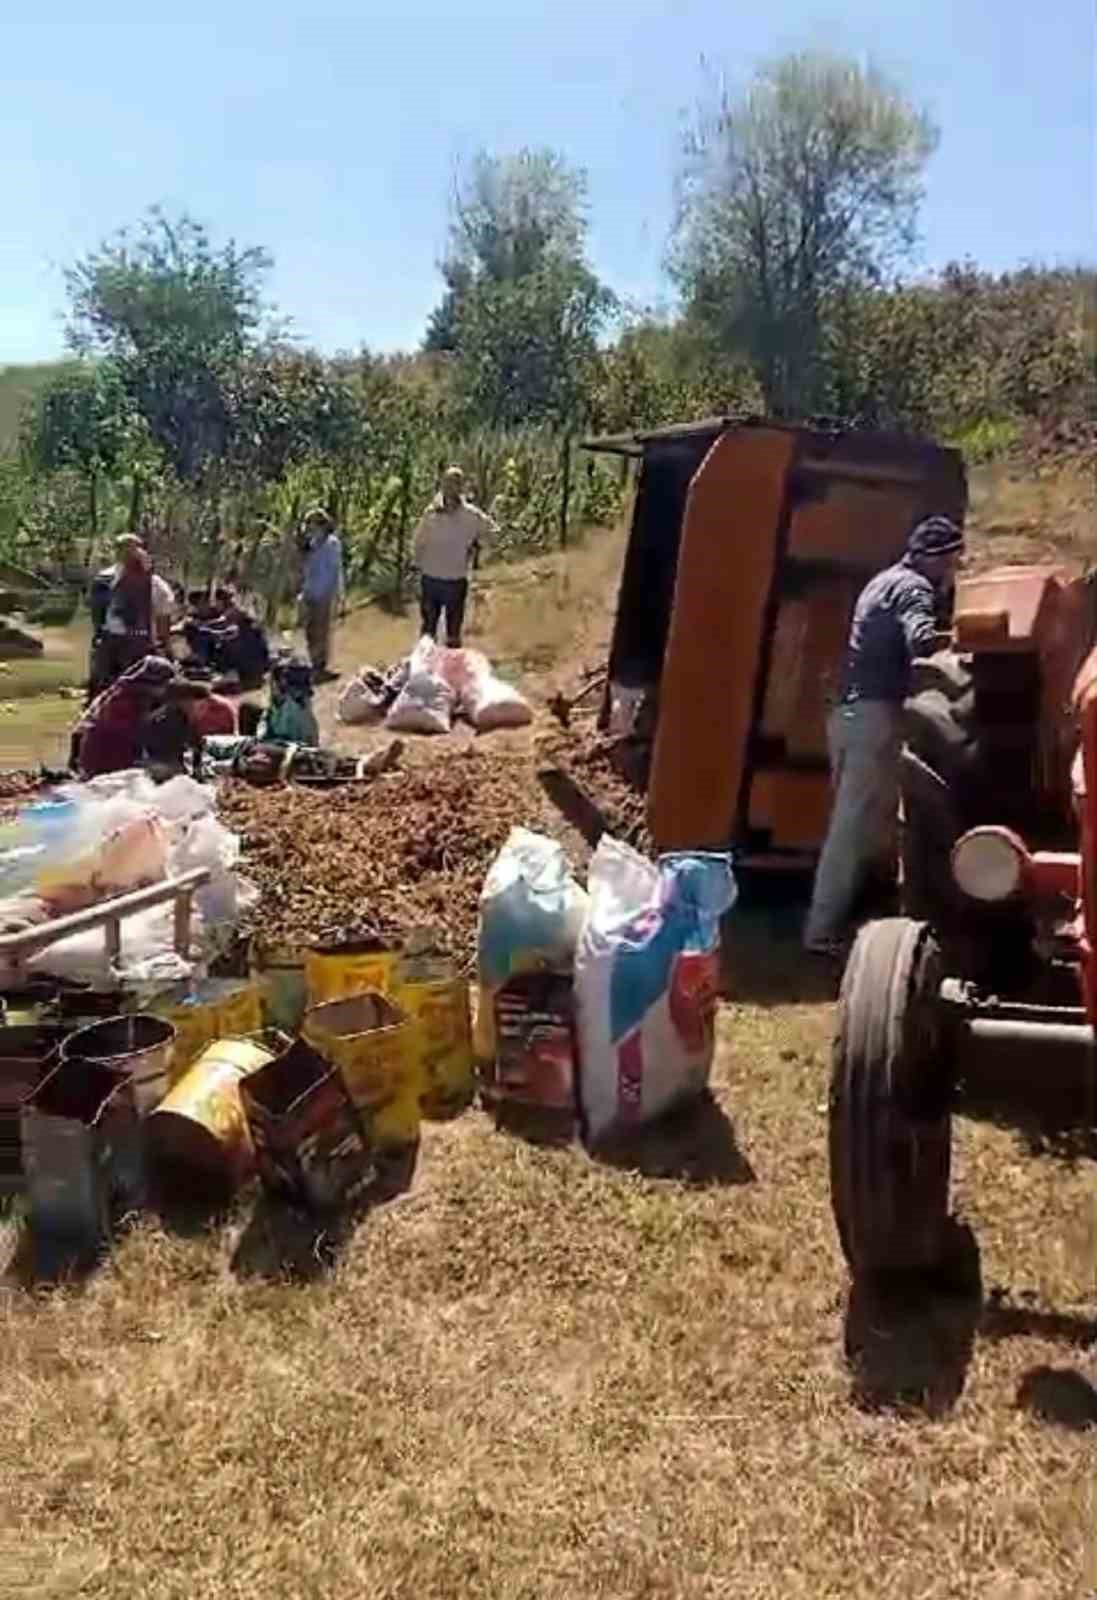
321 587
446 540
132 609
894 622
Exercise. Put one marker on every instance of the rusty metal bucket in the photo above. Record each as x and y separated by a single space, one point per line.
27 1054
282 986
371 1040
140 1045
197 1139
336 971
81 1152
309 1142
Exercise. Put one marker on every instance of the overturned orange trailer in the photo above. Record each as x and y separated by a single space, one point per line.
748 545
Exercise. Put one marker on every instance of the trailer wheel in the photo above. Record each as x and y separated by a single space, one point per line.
890 1100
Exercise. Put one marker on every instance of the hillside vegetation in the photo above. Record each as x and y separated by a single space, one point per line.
187 413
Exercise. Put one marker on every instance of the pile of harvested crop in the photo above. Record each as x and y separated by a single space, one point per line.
605 770
409 849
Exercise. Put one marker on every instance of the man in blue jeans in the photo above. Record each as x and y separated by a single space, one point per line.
447 539
894 622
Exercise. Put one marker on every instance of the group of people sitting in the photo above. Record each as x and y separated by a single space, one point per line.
144 708
152 716
158 717
136 613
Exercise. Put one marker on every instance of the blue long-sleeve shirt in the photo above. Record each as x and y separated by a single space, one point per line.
894 621
323 574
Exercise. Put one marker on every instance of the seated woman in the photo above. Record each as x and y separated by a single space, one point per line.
228 639
289 718
108 737
175 730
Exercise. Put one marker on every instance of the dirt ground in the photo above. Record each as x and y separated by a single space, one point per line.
538 1375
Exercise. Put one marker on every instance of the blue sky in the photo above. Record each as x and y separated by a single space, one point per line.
332 137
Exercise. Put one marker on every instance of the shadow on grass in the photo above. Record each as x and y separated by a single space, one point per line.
1060 1395
909 1340
765 963
285 1243
694 1144
1004 1320
36 1261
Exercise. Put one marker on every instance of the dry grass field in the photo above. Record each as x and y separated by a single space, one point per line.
536 1375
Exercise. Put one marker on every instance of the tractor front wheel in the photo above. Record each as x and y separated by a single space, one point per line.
890 1103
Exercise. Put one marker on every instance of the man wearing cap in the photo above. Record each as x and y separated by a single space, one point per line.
446 540
894 622
321 587
132 609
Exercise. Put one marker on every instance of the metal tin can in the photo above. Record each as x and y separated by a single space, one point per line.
81 1151
27 1054
219 1008
139 1044
198 1133
437 1007
309 1140
335 972
532 1080
369 1038
282 987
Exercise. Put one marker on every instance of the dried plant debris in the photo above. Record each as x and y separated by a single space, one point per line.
410 849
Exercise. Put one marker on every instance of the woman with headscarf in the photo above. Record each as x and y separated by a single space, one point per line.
109 736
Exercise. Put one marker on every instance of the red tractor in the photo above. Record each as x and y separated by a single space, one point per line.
986 991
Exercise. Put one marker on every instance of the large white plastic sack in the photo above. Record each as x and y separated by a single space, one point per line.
208 843
486 700
182 799
646 978
112 846
83 956
425 703
358 703
531 913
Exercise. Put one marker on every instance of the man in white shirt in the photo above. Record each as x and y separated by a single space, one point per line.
132 611
446 540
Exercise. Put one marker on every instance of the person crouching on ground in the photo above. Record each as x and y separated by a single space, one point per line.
110 735
447 540
322 587
894 622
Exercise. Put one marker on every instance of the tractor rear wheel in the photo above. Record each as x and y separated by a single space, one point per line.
890 1103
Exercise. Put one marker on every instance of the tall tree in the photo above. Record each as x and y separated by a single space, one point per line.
805 185
175 316
81 420
511 215
527 350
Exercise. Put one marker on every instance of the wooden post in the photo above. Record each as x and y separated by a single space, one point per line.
565 490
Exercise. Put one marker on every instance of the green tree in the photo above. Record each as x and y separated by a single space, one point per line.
82 420
175 316
510 216
284 406
527 350
807 184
